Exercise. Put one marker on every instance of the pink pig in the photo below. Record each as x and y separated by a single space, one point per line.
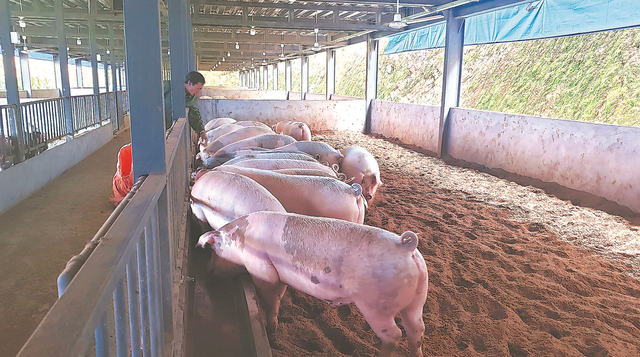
296 129
337 261
361 167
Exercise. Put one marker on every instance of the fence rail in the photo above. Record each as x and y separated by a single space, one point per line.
28 128
122 296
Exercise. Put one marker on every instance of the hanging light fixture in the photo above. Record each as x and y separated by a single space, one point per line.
316 47
108 52
397 22
223 59
252 32
21 22
228 54
78 40
282 53
237 46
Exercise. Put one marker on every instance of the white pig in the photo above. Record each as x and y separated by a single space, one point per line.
361 167
269 141
311 195
216 122
337 261
319 150
235 136
296 129
277 164
214 134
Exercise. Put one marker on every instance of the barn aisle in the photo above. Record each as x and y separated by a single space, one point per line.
40 234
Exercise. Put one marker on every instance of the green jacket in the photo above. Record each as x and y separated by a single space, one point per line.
191 101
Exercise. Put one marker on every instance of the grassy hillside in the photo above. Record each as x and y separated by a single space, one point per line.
591 77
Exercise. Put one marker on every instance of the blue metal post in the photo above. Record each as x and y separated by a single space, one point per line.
452 74
190 45
105 64
112 59
63 59
134 299
93 48
78 73
288 78
119 312
371 90
177 47
144 74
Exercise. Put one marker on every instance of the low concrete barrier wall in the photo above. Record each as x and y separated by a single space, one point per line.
315 96
318 114
411 123
600 159
343 97
238 93
21 180
45 93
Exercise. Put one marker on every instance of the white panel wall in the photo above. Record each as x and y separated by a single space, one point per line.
411 123
600 159
318 114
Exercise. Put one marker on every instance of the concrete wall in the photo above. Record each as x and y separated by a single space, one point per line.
411 123
599 159
45 93
21 94
344 97
21 180
318 114
315 96
237 93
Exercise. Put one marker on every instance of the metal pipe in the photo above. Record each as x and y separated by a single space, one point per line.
77 261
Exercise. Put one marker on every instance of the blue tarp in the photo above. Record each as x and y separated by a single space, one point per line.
535 20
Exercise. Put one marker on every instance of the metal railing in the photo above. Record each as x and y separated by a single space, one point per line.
44 121
130 273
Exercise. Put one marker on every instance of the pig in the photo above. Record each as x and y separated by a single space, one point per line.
214 123
296 129
269 141
211 161
271 155
235 136
214 134
276 164
219 197
305 172
310 195
320 151
253 123
361 167
337 261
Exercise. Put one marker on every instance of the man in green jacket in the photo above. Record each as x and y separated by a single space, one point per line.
193 84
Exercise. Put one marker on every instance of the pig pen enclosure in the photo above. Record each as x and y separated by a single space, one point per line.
513 270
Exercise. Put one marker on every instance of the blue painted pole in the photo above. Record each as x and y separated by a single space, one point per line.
371 89
63 58
178 48
452 74
144 75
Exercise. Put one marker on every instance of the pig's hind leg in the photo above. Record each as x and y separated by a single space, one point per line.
269 288
412 314
384 325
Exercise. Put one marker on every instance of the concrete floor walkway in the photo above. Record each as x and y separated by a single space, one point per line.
40 234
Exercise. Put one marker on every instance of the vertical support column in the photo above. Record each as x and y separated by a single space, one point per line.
112 59
144 72
287 75
25 72
190 45
258 80
275 76
331 73
63 62
452 74
177 48
304 76
371 91
8 58
11 80
105 63
78 73
265 72
93 48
